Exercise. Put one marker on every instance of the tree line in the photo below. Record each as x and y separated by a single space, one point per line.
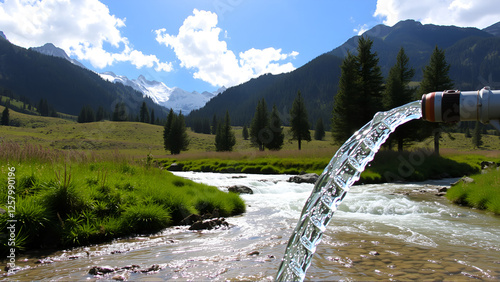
265 131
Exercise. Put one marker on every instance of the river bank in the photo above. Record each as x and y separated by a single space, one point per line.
387 166
52 199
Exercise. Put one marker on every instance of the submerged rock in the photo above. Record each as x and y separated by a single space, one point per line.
240 189
209 224
101 270
304 178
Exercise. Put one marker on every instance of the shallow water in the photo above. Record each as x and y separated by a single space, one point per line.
380 232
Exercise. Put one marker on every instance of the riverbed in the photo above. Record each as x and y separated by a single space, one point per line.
380 232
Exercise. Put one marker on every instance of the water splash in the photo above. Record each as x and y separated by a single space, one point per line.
343 170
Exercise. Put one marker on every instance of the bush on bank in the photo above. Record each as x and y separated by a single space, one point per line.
85 203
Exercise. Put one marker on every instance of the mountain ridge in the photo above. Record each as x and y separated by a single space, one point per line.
64 85
171 98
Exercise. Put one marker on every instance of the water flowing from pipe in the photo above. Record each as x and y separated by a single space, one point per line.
343 170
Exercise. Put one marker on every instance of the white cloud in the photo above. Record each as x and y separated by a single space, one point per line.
465 13
80 27
197 46
361 29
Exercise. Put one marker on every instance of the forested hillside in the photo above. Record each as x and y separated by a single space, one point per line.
65 86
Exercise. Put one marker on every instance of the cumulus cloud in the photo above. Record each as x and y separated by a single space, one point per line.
80 27
197 46
465 13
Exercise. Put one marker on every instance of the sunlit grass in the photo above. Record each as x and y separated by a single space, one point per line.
483 193
65 201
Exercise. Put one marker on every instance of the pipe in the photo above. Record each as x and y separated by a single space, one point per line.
454 106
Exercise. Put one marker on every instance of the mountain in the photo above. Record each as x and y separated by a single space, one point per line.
171 98
51 50
493 29
66 86
417 39
472 54
2 36
317 81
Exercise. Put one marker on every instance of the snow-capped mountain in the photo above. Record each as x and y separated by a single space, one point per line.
51 50
172 98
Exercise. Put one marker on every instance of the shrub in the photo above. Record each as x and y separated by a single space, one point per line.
145 218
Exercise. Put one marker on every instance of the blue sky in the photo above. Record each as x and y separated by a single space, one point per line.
202 45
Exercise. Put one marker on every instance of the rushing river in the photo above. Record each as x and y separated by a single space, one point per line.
380 232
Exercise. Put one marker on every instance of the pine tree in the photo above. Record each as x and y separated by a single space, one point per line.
260 134
359 94
5 116
175 137
86 115
43 108
166 130
244 133
100 115
224 138
371 80
299 121
319 130
435 78
345 117
152 119
214 124
144 113
397 93
275 125
120 112
476 136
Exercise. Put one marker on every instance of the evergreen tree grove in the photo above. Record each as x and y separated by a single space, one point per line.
86 115
299 121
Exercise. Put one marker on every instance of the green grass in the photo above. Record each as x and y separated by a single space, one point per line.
70 203
483 193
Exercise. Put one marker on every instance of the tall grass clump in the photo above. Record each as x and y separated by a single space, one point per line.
483 193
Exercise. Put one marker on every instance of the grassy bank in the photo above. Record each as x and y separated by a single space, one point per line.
62 202
483 193
388 166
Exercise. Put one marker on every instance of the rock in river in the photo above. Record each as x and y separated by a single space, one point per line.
304 178
240 189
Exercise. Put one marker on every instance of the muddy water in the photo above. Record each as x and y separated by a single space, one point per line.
381 232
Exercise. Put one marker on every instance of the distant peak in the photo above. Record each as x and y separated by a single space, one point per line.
2 36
